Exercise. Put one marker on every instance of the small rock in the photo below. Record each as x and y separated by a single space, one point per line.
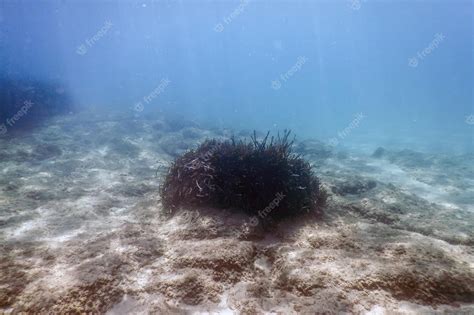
380 152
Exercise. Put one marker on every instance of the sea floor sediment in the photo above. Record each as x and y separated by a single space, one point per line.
82 230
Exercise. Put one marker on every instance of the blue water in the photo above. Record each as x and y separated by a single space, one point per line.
311 66
91 97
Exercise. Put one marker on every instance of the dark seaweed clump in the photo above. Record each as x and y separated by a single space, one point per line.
259 177
27 102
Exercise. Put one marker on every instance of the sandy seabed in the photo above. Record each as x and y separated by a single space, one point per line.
82 230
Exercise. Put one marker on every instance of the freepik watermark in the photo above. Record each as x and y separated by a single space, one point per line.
356 4
83 48
139 106
276 84
341 135
219 27
415 60
27 105
470 119
3 129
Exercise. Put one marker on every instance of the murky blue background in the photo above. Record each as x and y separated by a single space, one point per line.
237 64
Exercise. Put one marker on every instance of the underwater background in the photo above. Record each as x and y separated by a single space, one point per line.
311 66
106 105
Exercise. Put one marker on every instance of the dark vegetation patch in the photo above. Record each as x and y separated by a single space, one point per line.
25 103
380 152
259 177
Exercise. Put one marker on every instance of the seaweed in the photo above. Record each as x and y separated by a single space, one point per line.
26 102
261 177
